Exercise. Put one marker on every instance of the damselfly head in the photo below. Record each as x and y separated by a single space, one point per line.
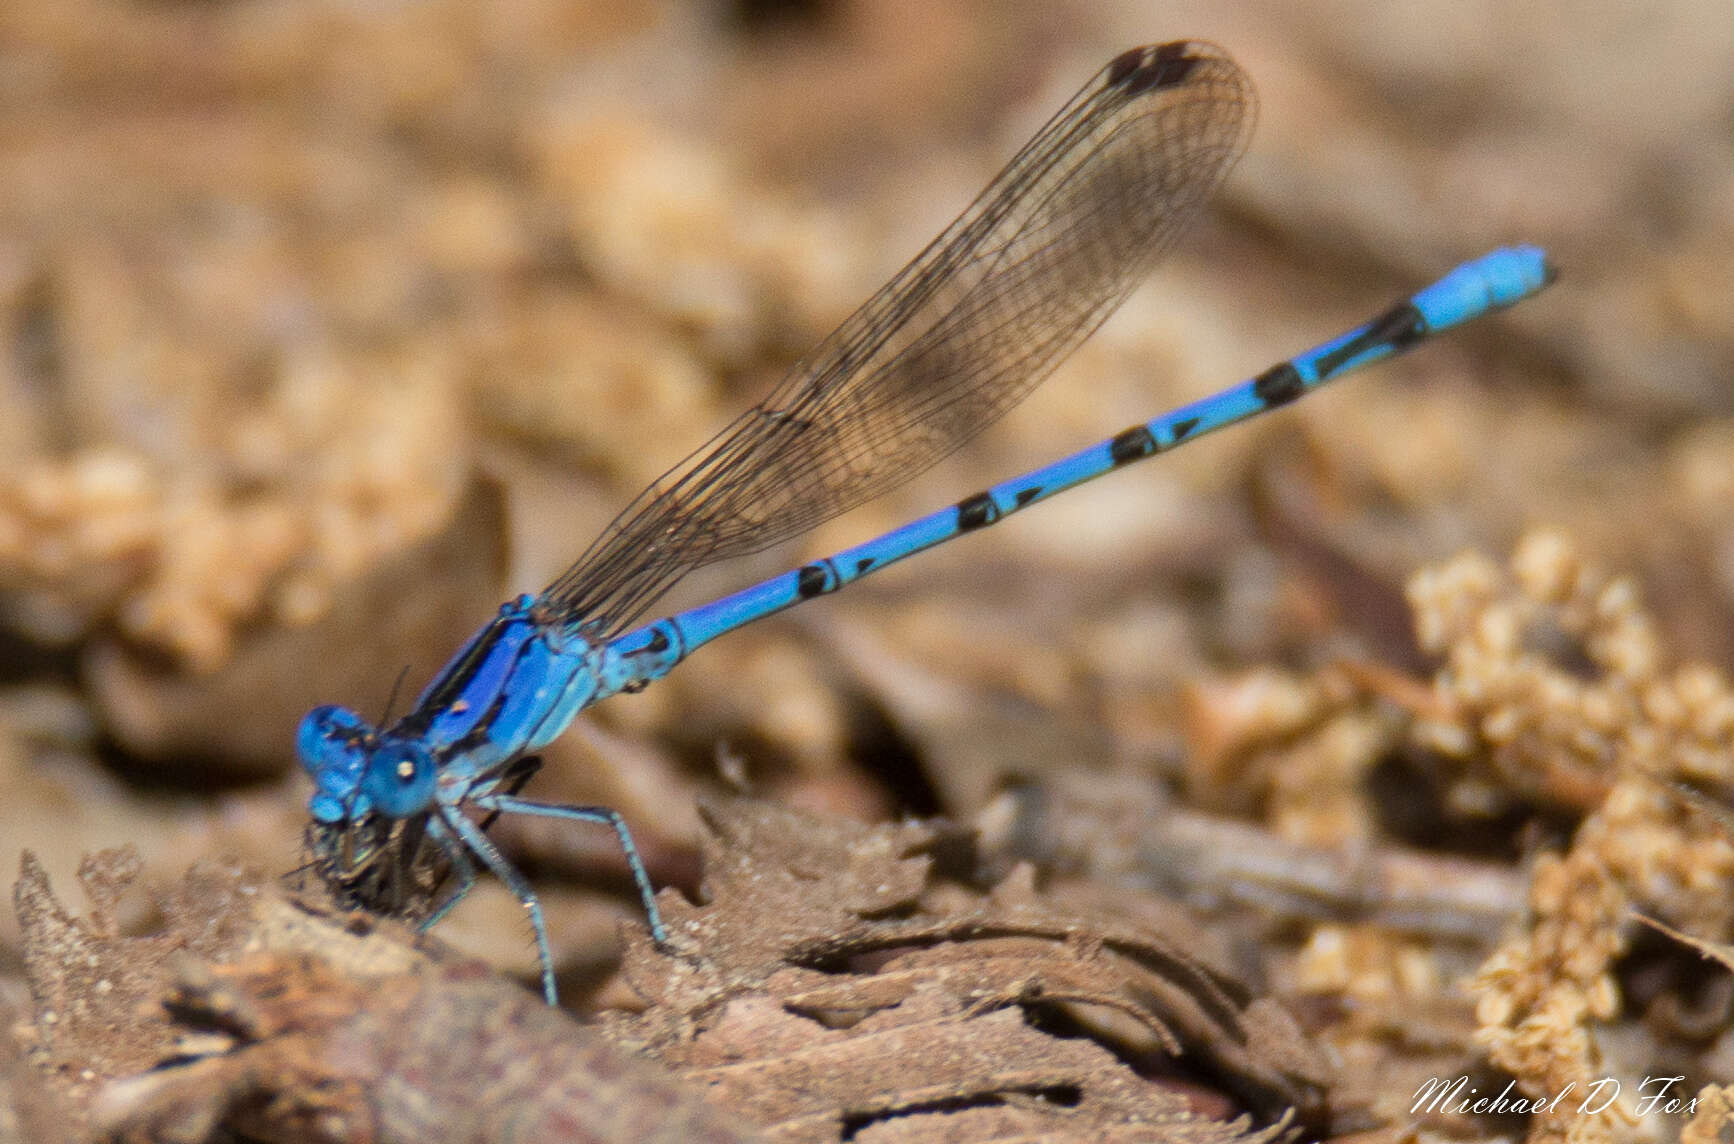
368 840
357 771
334 744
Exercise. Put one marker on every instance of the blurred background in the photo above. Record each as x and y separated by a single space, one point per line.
325 327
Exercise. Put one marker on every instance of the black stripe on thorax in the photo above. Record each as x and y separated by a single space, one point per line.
456 679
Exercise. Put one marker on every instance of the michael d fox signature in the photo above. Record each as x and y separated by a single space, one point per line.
1654 1094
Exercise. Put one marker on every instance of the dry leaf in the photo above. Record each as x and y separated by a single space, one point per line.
831 985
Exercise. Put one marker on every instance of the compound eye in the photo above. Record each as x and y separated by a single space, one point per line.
331 743
400 779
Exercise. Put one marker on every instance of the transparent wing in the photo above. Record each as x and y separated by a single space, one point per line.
959 336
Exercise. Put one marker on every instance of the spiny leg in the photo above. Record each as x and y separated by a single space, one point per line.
462 867
519 772
598 814
473 837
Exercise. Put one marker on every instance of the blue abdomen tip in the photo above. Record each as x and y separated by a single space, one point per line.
1494 281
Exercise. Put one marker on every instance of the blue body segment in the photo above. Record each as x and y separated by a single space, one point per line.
976 320
1492 282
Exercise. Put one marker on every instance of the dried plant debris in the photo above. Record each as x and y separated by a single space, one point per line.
833 988
1713 1123
91 981
1556 703
312 1031
30 1111
305 1054
1122 830
1555 675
